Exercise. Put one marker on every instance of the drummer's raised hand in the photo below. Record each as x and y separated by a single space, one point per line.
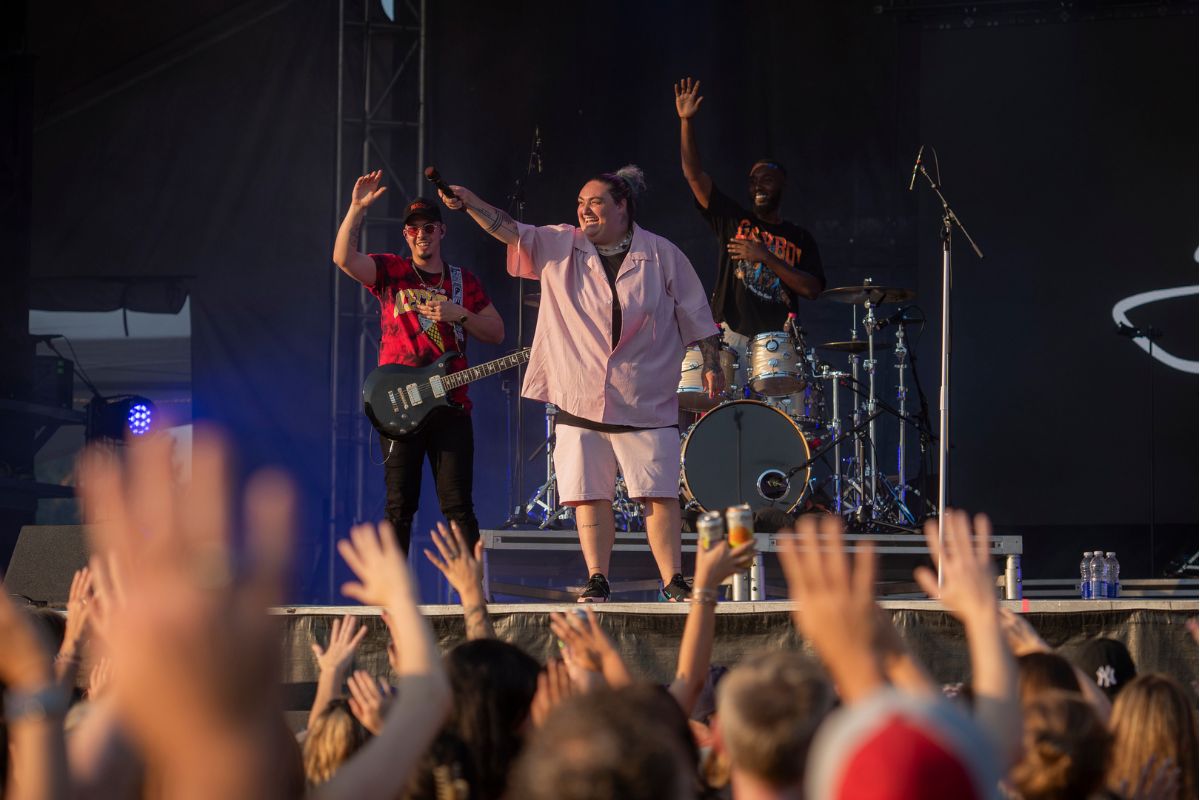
714 382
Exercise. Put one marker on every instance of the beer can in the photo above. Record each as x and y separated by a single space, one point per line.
739 524
710 528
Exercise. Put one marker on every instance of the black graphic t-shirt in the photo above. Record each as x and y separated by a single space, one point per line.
750 298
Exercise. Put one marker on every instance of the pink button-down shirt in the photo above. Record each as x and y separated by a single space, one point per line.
573 364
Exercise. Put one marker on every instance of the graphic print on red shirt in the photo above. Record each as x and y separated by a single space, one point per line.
406 336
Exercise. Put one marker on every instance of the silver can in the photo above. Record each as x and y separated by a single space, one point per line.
710 528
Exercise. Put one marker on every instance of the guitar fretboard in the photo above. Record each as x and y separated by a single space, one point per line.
456 379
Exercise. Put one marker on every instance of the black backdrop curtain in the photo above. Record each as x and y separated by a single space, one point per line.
1069 148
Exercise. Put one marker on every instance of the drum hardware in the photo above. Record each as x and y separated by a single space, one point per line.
543 505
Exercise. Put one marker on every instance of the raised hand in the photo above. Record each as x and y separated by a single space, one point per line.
374 556
968 580
194 653
344 637
462 567
835 605
590 648
78 612
687 98
720 561
553 687
99 677
367 189
1020 635
463 198
369 699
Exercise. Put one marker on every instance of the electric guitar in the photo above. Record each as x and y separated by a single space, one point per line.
399 399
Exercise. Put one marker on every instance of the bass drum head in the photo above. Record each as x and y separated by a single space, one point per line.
741 452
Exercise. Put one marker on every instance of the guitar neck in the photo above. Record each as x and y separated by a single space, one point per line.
456 379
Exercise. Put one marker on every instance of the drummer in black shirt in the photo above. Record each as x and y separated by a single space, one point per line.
766 263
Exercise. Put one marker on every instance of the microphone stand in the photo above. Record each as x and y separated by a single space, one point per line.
950 221
516 210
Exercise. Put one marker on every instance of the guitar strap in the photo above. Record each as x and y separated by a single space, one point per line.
456 297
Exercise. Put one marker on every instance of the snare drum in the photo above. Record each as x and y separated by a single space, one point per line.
742 452
692 396
775 368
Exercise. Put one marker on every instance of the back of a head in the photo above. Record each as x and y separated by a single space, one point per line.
1040 672
896 746
493 684
768 709
334 736
1105 661
604 745
1065 748
1154 716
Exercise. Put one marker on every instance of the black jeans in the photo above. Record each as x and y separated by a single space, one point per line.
449 442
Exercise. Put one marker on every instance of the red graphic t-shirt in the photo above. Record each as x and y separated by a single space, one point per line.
409 338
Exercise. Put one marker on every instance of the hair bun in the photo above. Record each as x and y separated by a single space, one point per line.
632 174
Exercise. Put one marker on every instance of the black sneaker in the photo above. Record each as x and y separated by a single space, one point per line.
677 590
596 591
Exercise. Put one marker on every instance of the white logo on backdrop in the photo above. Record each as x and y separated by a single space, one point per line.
1120 316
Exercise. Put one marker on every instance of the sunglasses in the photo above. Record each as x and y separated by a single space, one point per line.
429 228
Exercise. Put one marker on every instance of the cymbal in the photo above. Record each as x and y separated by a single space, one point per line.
877 295
533 299
852 346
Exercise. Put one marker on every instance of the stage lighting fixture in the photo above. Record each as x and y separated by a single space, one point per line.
118 417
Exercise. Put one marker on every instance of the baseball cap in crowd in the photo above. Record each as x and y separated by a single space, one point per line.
1106 661
894 746
423 209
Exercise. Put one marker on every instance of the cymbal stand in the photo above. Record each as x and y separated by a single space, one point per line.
856 478
901 395
835 432
869 364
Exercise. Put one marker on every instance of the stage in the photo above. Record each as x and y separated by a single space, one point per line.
648 634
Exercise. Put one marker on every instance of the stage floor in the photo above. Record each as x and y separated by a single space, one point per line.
648 634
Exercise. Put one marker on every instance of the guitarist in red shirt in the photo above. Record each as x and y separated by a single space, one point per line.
428 308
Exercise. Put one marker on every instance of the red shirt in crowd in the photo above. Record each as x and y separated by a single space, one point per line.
409 338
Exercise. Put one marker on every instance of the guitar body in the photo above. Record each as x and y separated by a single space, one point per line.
399 400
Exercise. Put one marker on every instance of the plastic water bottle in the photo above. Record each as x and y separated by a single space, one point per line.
1114 574
1096 590
1085 586
1105 575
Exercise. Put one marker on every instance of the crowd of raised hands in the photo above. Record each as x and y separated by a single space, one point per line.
182 697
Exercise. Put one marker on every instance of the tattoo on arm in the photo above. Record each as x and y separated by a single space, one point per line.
355 230
493 220
710 351
479 624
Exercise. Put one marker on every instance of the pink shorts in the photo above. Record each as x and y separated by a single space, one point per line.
585 463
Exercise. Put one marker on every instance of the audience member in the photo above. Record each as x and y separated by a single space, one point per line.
768 710
334 735
1065 748
1106 662
1154 717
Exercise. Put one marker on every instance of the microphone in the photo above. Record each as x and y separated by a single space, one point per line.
916 167
892 320
537 148
431 174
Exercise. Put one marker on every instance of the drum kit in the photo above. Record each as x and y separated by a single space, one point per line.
786 411
785 414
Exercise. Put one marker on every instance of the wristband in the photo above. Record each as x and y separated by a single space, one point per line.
37 706
704 596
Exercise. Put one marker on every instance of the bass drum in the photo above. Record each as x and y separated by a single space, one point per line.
741 452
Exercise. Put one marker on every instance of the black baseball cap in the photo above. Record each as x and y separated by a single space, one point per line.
1106 661
424 209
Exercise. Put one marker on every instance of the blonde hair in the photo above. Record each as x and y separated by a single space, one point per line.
334 736
1153 716
1065 747
768 709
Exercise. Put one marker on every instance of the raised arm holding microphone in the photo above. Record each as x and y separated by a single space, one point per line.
619 305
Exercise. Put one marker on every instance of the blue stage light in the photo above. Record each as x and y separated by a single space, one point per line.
119 417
